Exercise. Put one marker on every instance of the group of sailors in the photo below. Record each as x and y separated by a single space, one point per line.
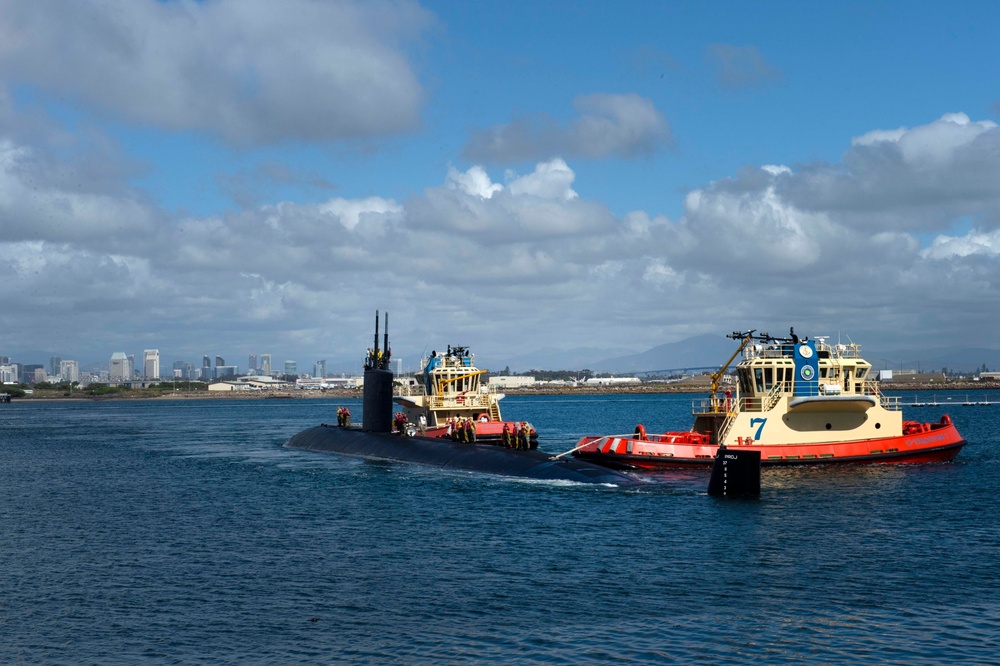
518 437
376 359
462 430
343 417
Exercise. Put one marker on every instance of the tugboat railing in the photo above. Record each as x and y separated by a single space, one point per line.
774 395
727 424
889 402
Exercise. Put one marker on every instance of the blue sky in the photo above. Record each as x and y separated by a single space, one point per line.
233 177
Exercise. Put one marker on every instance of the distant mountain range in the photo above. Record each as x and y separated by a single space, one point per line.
697 352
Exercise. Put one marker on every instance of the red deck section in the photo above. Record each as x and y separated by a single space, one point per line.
919 443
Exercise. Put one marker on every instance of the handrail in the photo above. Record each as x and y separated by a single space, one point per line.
773 396
730 419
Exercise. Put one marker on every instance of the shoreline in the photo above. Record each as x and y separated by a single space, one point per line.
652 389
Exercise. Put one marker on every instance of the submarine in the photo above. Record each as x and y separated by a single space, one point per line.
375 440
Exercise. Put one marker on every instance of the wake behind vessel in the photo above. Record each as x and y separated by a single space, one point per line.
795 401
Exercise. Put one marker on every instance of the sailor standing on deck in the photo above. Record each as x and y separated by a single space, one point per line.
422 422
522 436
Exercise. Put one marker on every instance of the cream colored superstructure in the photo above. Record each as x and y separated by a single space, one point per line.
448 386
760 405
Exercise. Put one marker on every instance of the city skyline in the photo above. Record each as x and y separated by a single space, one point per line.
518 177
122 366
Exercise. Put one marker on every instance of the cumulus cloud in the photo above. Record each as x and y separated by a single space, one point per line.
741 66
512 262
935 172
608 125
37 204
947 247
249 71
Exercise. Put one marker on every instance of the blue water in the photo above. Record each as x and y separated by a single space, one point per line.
184 532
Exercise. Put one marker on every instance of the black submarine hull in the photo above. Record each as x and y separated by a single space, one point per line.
447 454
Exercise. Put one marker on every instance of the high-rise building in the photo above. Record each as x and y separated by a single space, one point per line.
69 371
151 364
252 364
183 370
133 371
120 368
291 368
265 364
9 373
54 362
206 368
28 372
319 370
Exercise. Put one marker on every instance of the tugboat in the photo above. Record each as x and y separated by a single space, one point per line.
447 395
795 401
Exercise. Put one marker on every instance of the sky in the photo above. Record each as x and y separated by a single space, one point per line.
229 177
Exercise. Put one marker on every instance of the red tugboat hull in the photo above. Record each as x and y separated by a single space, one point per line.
919 443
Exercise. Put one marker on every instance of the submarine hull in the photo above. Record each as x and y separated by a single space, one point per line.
453 455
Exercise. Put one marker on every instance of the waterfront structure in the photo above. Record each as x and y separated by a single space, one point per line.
511 381
151 364
248 383
120 368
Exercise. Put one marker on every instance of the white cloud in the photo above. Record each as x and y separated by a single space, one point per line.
34 206
510 267
914 179
973 243
353 212
550 180
935 145
475 181
744 229
248 70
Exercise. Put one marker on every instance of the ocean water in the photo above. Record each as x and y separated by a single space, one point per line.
183 532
